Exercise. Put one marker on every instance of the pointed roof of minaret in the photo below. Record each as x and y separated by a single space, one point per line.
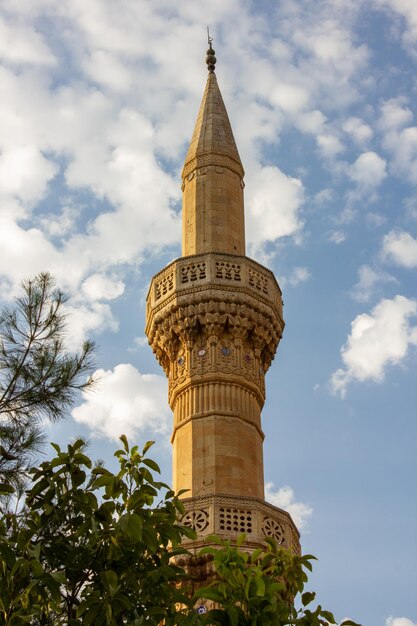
212 141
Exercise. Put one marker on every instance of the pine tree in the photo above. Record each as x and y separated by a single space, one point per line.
39 377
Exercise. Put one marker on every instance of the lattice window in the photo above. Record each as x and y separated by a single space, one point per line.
258 281
295 545
193 272
164 285
228 271
272 528
198 520
235 520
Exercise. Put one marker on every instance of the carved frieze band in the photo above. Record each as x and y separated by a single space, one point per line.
231 516
212 159
220 398
236 336
215 269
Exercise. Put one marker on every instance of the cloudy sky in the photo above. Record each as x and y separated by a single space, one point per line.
97 103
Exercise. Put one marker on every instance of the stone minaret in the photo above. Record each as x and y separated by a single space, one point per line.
214 321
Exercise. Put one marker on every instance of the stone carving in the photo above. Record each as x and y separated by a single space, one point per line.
192 272
256 279
230 516
198 520
164 285
272 528
216 160
235 520
228 271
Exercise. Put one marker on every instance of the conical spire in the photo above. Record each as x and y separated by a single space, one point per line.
213 218
213 136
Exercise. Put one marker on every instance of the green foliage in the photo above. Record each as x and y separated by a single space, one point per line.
38 377
260 588
91 547
94 547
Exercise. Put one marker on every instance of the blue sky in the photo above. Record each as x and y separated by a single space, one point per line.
98 100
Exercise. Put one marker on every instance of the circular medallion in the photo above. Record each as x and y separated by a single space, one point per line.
201 352
226 351
201 609
181 360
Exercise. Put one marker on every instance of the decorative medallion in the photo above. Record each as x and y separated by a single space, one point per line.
272 528
181 360
198 520
201 352
247 358
201 609
226 351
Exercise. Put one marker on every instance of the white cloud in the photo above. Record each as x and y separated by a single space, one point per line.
124 401
101 287
289 97
401 248
139 342
376 340
369 279
368 171
395 113
84 319
329 145
399 621
25 173
20 43
297 275
103 67
337 237
358 130
375 219
284 498
274 201
407 10
399 139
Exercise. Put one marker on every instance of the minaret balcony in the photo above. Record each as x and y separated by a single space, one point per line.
229 516
213 271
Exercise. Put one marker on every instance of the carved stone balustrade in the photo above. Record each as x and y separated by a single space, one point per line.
229 516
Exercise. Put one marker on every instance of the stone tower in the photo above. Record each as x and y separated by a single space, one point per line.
214 321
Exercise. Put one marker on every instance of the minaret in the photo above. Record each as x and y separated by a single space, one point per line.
214 321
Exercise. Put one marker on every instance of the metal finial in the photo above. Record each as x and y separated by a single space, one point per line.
210 58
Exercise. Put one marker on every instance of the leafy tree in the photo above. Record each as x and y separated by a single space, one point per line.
261 588
38 376
90 547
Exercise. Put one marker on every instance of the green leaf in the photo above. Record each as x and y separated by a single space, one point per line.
132 525
5 488
125 443
146 447
328 616
260 587
209 593
154 466
307 597
111 581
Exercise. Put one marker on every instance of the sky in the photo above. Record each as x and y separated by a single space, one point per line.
98 100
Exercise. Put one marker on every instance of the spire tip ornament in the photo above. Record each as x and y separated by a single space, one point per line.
210 58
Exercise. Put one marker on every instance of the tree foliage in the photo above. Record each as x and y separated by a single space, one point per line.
38 376
261 588
91 547
95 547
